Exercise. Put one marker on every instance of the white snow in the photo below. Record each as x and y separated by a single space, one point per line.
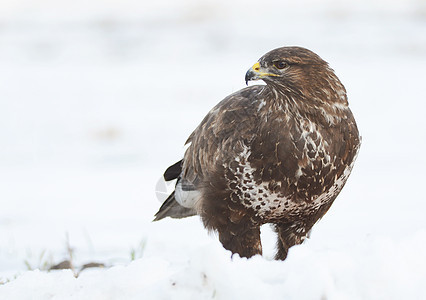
98 97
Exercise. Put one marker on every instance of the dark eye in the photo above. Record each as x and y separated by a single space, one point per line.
280 64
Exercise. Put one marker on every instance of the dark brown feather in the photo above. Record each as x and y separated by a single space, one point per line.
173 171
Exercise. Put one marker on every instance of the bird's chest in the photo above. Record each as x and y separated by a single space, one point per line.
294 152
289 171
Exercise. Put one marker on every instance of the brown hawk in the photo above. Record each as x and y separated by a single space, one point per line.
278 153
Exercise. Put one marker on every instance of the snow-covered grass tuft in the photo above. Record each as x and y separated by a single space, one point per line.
355 271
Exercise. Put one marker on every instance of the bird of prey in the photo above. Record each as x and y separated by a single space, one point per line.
278 153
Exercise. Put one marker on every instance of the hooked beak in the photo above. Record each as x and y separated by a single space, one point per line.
257 72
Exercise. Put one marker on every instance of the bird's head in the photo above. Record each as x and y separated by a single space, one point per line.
291 67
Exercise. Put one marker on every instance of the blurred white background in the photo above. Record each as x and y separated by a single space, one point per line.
97 98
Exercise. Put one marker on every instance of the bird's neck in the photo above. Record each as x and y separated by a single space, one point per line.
326 106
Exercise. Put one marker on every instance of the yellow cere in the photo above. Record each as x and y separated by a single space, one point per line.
256 68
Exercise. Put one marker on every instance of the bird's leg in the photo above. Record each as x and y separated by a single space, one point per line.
246 243
288 236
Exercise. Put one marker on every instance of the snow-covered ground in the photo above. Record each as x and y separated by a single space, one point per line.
97 98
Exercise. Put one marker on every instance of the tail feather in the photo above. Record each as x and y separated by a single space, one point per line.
171 208
173 171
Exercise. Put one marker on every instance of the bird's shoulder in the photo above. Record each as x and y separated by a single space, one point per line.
223 133
234 114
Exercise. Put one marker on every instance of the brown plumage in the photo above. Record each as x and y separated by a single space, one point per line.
278 153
